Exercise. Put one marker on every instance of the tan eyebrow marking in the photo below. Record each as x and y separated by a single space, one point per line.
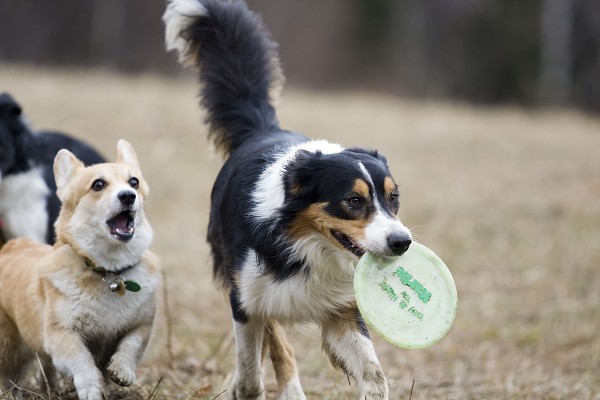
362 188
389 185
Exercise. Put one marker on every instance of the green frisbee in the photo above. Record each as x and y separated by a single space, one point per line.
409 300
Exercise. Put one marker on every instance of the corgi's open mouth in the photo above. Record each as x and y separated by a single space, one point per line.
348 243
122 225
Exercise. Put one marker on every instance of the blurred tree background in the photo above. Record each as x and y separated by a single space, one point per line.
530 52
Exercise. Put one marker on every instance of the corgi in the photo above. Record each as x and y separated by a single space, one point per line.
85 305
290 216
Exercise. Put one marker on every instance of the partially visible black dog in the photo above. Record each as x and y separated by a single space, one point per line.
28 202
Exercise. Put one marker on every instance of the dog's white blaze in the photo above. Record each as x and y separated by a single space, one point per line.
377 232
302 297
177 17
382 226
269 193
23 199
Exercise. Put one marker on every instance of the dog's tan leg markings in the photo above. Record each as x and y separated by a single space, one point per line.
121 368
284 363
351 351
248 384
70 356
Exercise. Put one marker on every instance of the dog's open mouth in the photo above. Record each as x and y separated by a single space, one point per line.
122 225
348 243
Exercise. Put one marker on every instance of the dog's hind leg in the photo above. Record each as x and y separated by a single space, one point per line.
350 350
14 355
284 363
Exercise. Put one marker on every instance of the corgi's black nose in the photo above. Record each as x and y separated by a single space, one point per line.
127 197
398 243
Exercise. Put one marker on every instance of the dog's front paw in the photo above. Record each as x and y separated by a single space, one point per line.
248 393
374 385
87 391
293 391
89 387
121 374
91 394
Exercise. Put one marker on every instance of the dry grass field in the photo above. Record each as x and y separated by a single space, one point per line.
509 198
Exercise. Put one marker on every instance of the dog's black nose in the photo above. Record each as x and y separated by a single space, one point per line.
127 197
399 243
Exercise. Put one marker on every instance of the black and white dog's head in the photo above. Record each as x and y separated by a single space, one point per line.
349 197
13 134
332 199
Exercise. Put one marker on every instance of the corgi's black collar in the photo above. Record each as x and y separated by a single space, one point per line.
117 284
102 270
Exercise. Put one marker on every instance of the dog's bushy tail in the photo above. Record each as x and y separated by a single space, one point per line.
237 65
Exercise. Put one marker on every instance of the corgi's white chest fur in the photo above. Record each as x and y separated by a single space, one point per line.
95 309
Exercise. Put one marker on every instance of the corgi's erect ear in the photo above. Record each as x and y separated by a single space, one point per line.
65 166
126 154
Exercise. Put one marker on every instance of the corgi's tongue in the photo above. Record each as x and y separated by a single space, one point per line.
121 225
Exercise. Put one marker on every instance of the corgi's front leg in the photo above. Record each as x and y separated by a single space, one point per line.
71 357
123 363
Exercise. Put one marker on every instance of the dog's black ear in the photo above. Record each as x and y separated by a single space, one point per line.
9 108
299 176
372 153
10 114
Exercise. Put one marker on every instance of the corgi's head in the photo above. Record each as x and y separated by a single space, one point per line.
102 214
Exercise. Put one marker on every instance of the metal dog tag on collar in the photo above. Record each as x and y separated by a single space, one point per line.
409 300
119 285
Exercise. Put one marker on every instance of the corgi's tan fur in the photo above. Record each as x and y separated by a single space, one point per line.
56 301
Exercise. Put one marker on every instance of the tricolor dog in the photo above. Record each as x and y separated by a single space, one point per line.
28 202
290 216
85 305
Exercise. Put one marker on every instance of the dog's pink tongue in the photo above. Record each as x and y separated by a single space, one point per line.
121 222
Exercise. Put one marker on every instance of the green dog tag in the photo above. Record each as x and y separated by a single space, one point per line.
132 286
409 300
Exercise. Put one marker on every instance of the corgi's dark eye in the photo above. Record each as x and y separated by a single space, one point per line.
98 185
134 183
394 197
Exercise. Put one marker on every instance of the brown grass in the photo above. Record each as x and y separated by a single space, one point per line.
510 199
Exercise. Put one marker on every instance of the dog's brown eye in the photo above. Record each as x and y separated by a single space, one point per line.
134 183
98 185
354 201
394 197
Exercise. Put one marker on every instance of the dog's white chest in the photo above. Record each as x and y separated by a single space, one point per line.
299 298
23 199
96 310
